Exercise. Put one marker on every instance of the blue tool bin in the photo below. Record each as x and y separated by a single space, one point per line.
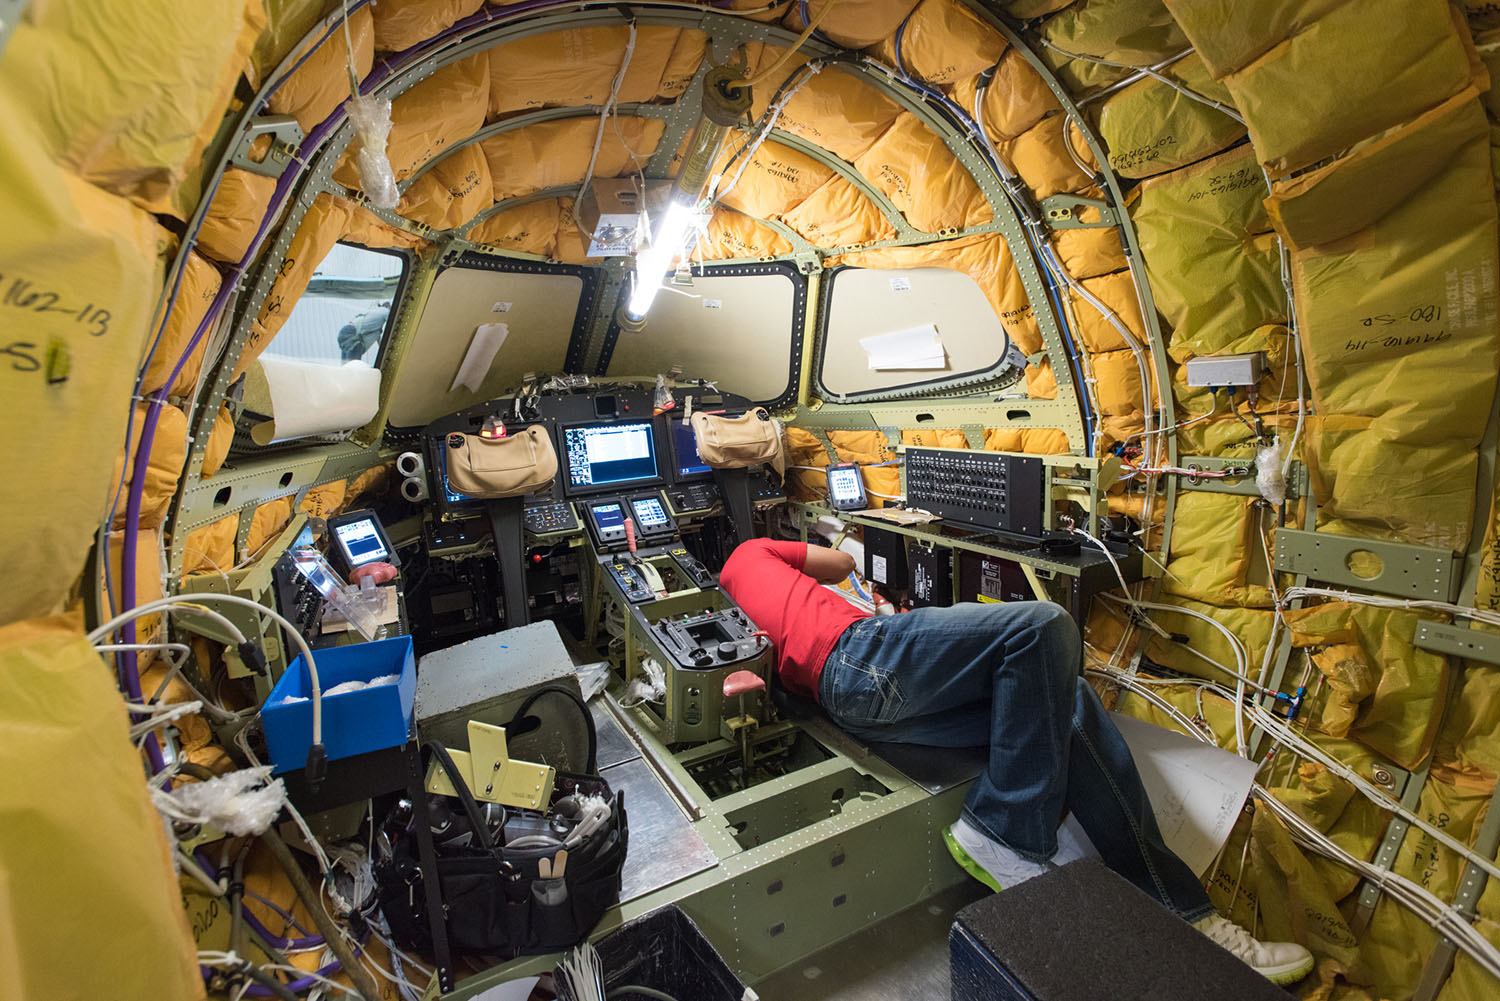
353 722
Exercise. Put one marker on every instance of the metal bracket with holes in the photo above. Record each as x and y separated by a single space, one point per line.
1405 570
1471 644
1067 211
1240 479
286 142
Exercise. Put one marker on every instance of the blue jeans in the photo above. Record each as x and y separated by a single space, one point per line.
1006 675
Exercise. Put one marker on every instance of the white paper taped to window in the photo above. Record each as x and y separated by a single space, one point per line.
1196 789
914 347
307 397
476 364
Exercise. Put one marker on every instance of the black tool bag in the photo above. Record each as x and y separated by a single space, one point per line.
495 898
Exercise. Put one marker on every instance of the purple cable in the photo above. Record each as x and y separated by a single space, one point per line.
129 669
295 986
274 940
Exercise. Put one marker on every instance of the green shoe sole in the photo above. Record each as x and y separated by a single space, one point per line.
1291 976
966 863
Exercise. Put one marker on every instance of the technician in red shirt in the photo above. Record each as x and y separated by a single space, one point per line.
1004 675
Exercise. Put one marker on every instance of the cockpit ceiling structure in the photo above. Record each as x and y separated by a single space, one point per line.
1130 184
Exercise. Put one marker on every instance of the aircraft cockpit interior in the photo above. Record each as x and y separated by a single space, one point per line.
716 500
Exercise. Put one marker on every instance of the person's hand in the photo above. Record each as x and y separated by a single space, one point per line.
827 566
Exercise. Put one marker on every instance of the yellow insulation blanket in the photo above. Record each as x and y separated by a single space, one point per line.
1313 78
1151 127
1400 339
577 66
56 868
127 94
80 280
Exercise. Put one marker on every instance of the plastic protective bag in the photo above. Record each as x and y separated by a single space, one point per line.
372 123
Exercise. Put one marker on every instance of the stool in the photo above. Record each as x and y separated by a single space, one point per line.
1081 933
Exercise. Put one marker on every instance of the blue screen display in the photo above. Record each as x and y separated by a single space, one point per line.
606 454
685 451
608 516
454 497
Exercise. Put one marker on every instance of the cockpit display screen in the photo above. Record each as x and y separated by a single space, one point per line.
607 455
685 452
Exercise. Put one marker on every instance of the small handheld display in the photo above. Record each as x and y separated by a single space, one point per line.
846 488
359 538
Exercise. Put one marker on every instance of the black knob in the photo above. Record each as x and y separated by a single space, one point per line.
727 650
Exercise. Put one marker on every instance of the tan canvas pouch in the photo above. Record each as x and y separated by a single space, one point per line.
504 467
734 442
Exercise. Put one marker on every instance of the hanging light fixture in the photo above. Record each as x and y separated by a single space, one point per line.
726 101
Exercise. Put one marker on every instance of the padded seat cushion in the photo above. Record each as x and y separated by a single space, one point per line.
1082 933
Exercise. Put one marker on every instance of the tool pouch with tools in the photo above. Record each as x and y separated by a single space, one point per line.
513 882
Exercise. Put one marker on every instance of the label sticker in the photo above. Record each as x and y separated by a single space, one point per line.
500 307
877 569
900 283
713 303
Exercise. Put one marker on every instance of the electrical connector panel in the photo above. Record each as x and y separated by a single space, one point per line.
1221 371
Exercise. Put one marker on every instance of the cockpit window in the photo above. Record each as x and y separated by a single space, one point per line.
901 332
345 312
739 326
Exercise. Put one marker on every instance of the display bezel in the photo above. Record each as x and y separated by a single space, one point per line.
855 503
336 543
570 489
678 476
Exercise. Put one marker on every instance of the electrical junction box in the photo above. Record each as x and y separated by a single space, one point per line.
1221 371
988 579
885 558
611 213
931 573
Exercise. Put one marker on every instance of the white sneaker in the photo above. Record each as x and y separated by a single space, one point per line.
1278 962
1073 844
987 860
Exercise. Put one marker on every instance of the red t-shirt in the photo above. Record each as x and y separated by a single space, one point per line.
803 619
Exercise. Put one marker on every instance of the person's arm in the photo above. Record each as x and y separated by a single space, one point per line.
827 566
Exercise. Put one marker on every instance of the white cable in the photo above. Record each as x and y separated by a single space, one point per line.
1241 659
772 114
604 113
1462 611
162 604
1274 725
292 631
1149 71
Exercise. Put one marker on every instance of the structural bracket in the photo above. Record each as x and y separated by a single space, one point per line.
1405 570
1458 641
1067 211
286 140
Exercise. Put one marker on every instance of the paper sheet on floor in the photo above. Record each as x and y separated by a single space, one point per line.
914 347
1196 789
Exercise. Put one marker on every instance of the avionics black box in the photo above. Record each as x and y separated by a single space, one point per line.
930 570
986 578
885 558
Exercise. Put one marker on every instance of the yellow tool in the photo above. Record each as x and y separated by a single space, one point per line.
492 775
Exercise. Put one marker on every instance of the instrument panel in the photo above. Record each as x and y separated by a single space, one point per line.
607 443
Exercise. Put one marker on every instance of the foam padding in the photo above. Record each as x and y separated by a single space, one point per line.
1080 933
